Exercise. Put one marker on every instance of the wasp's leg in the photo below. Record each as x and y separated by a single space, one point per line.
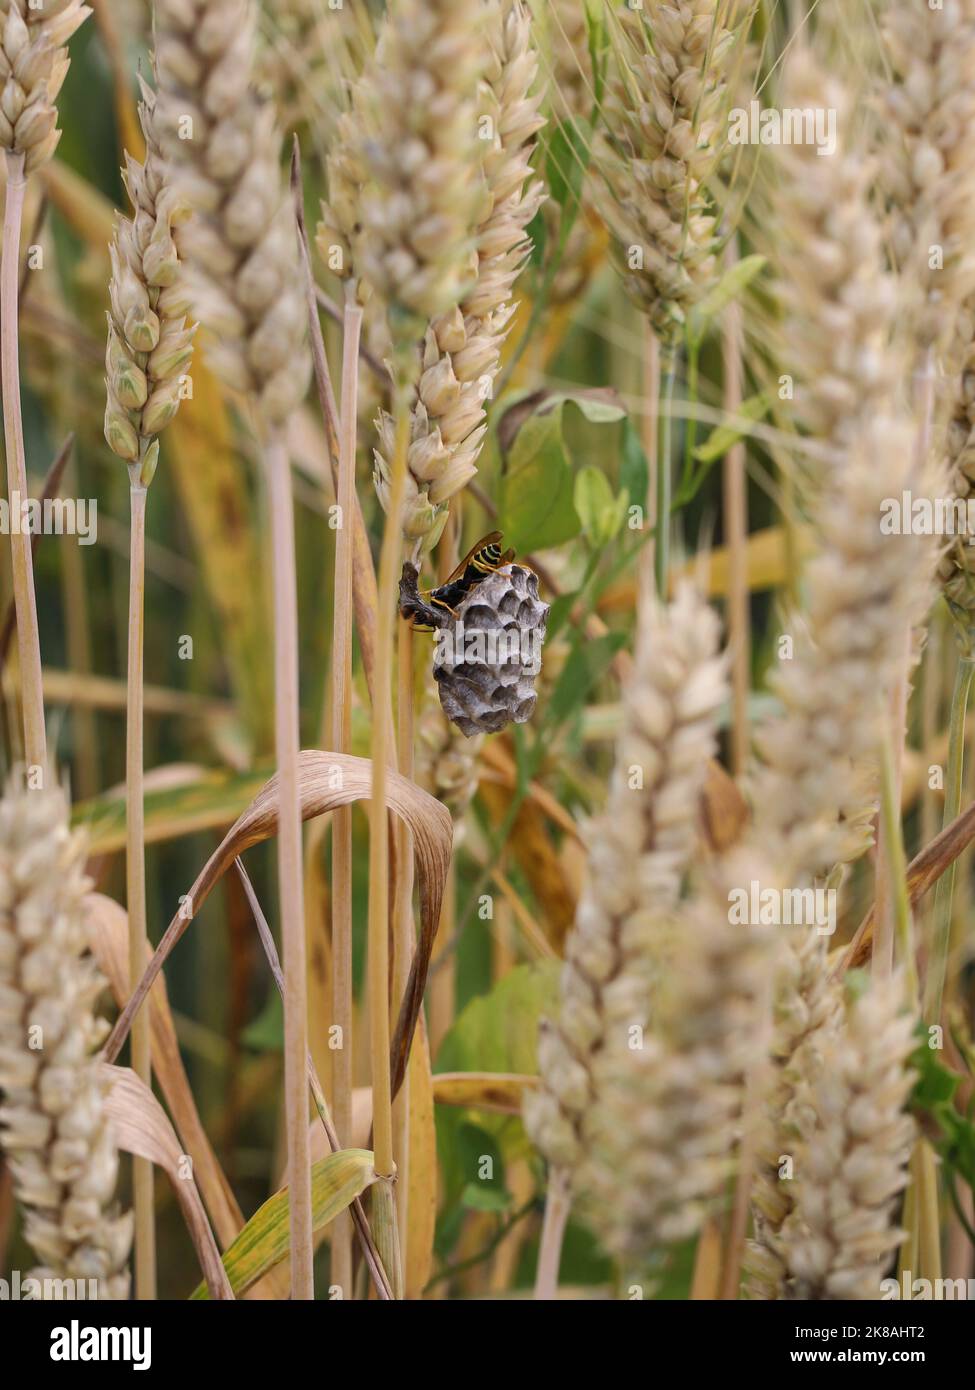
441 604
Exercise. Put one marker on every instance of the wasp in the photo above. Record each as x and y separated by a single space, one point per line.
434 608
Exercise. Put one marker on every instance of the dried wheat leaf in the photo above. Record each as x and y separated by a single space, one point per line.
327 780
107 930
106 924
141 1127
922 874
504 1092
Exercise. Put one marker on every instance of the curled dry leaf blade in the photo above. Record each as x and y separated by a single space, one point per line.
106 925
327 780
142 1128
336 1181
483 1090
923 873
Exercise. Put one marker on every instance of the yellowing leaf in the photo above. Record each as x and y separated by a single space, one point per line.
336 1181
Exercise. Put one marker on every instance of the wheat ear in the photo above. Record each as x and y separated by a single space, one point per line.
640 848
666 128
928 170
854 1143
149 351
461 353
815 786
661 1136
664 133
33 65
53 1124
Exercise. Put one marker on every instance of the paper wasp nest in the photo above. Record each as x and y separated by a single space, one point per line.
488 656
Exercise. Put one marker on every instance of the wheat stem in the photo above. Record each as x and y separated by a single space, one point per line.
369 1251
661 555
341 1273
954 775
403 930
135 875
378 931
651 440
290 881
558 1204
895 864
735 525
929 1220
28 637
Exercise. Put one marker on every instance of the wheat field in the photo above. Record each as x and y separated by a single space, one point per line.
488 627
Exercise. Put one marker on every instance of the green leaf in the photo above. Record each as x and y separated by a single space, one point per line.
484 1196
593 501
537 508
598 37
732 284
266 1032
536 490
566 161
721 439
634 467
599 511
936 1084
587 664
498 1031
213 800
600 407
336 1181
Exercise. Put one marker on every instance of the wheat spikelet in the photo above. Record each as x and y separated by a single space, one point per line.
815 792
571 103
955 571
446 762
640 849
929 164
402 180
462 347
33 65
666 116
149 345
52 1123
854 1144
660 1138
838 302
814 787
806 1012
570 63
222 145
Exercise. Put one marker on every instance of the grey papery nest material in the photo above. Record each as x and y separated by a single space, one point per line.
53 1123
489 654
33 65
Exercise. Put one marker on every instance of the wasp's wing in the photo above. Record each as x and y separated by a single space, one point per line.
492 536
